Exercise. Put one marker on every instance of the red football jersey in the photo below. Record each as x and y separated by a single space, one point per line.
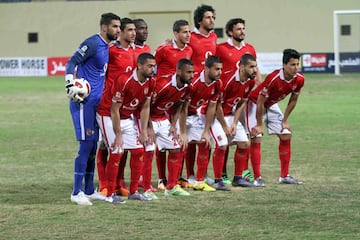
201 92
230 54
130 92
121 60
202 46
275 88
165 95
235 90
167 56
141 49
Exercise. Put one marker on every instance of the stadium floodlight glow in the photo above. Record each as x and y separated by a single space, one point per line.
336 36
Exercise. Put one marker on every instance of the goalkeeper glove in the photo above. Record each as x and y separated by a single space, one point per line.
70 88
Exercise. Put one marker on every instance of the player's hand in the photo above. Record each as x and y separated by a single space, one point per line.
151 136
205 137
285 125
233 129
76 98
227 131
143 137
183 141
117 145
256 131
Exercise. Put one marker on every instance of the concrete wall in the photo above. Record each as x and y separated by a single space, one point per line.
305 25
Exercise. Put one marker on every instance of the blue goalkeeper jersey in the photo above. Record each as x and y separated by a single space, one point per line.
91 59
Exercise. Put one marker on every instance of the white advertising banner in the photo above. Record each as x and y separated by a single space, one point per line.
23 66
268 62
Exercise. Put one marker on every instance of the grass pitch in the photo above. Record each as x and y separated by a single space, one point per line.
36 173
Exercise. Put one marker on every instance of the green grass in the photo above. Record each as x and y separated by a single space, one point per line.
36 172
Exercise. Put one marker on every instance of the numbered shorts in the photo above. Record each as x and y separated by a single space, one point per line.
162 138
195 125
219 136
129 130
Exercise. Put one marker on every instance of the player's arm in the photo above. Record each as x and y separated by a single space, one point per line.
182 123
289 108
144 121
239 109
174 118
260 108
221 118
209 118
115 118
86 50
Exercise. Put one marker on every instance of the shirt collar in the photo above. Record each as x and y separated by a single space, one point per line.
231 43
176 47
196 31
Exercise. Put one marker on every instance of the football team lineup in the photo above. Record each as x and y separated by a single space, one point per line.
221 100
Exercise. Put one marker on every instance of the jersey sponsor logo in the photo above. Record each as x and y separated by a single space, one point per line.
166 107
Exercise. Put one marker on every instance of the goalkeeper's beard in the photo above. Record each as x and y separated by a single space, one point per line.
111 37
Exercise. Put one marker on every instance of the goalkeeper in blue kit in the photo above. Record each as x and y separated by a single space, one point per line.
90 63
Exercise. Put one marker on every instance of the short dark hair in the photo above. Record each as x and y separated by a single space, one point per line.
143 57
182 62
290 53
106 18
124 22
246 58
178 24
138 20
230 24
199 13
209 62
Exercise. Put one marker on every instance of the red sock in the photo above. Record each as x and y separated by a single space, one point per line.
224 170
255 152
241 156
174 162
218 162
111 171
136 167
284 156
190 159
101 160
202 161
161 164
120 182
147 170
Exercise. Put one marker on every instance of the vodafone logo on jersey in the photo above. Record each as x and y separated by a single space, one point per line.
314 60
56 65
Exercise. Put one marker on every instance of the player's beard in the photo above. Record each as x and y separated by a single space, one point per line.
184 81
252 76
238 39
111 37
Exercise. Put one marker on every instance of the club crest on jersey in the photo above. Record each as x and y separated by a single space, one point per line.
146 90
219 138
89 132
294 87
247 89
